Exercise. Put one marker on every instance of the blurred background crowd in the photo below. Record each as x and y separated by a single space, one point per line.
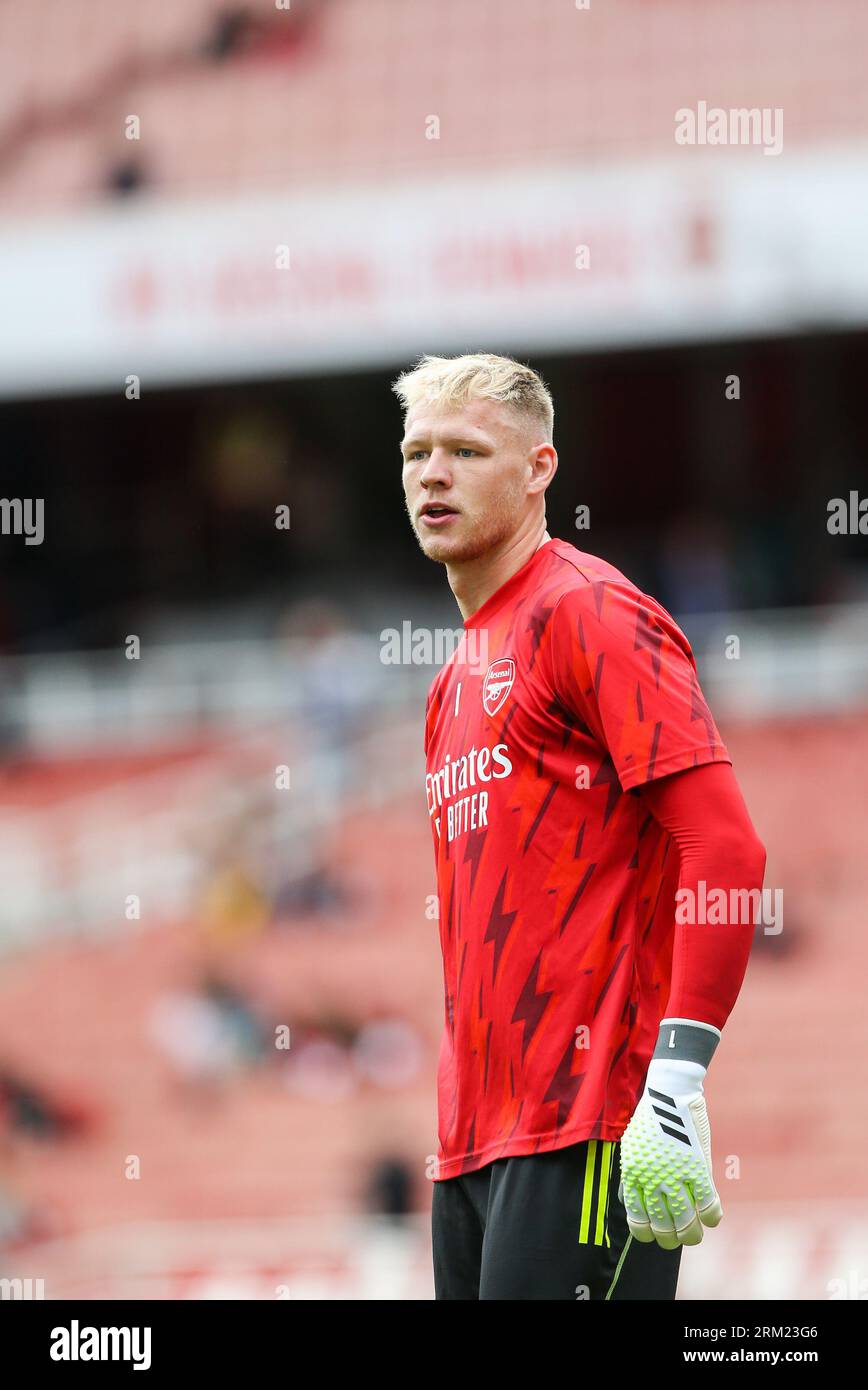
223 232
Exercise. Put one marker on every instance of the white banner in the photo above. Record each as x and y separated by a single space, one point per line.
711 244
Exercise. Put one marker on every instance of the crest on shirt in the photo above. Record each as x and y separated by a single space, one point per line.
497 684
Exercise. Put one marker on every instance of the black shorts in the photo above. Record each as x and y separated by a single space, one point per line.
545 1226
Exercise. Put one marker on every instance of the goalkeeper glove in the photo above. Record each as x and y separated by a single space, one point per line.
667 1185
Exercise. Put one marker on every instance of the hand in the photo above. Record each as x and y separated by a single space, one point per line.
667 1185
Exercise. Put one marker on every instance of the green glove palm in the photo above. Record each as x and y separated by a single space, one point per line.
667 1185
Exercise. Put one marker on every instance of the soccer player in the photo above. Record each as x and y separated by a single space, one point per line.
576 783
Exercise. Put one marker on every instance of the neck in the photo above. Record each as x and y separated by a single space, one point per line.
474 581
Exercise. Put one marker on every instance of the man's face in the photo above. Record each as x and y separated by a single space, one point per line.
466 477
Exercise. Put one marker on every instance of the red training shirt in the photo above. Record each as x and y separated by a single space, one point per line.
556 887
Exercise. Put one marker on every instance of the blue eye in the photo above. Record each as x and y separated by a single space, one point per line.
464 450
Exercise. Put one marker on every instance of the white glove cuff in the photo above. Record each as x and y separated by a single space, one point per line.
674 1078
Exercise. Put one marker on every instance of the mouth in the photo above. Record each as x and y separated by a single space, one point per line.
436 514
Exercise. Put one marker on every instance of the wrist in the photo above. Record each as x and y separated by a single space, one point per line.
686 1040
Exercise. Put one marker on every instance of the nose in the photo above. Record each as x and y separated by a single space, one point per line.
435 470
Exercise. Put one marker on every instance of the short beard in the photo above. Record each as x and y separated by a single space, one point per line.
485 536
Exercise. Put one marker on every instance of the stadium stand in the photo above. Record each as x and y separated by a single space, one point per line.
252 96
245 1147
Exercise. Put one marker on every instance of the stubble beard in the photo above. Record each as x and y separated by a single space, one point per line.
478 537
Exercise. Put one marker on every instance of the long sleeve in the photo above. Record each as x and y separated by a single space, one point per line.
704 812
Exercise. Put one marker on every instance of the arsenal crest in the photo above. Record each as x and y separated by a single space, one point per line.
497 684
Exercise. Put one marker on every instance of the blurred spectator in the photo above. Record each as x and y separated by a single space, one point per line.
697 565
126 178
210 1034
238 31
390 1191
340 679
233 906
28 1109
333 1055
311 894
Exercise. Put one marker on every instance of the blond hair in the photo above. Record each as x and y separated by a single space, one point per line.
453 381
